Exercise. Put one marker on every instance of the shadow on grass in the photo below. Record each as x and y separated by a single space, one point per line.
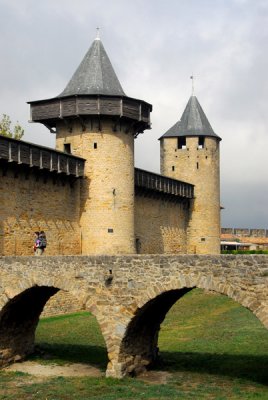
93 355
250 367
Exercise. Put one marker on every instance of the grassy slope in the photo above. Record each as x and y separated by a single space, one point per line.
211 333
212 348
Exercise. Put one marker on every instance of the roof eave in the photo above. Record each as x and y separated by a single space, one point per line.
90 95
190 135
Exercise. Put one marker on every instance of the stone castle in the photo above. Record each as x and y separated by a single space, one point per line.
92 203
86 194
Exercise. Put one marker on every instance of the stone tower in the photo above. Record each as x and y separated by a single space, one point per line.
190 152
94 119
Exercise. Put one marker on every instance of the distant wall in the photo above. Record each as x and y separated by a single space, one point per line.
33 200
62 302
160 226
245 232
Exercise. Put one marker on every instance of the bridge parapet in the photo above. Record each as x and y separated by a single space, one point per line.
129 296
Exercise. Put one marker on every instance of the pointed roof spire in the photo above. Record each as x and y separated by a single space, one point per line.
193 122
91 84
95 74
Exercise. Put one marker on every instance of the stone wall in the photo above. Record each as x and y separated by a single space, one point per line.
62 302
160 226
128 295
32 200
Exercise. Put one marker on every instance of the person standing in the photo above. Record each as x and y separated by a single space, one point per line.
36 247
42 241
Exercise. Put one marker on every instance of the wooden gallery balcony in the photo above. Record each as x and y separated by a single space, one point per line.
84 107
29 155
150 184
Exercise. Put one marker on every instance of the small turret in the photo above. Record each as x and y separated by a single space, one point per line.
93 118
190 152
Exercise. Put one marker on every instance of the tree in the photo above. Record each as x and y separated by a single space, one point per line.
6 130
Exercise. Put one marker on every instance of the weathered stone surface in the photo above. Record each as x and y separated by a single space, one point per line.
37 201
129 315
199 166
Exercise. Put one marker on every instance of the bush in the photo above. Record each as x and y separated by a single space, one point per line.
5 128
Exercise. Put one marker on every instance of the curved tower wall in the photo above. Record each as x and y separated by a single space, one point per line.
107 191
199 166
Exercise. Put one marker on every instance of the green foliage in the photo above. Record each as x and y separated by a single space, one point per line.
6 130
244 252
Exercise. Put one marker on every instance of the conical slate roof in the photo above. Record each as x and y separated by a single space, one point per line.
95 75
193 122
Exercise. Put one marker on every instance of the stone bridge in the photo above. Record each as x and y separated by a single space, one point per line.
128 295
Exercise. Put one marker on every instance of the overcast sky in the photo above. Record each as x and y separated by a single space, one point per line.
155 46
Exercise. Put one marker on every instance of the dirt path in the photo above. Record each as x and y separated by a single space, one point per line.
43 371
34 368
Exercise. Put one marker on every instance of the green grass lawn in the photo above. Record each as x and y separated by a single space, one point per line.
211 348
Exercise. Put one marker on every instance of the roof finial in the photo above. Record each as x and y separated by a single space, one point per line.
192 77
98 33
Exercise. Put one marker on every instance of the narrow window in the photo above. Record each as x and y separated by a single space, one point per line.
67 148
95 145
201 142
173 168
197 165
182 142
138 246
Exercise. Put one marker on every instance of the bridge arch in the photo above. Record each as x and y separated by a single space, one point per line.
18 321
139 345
218 282
119 290
21 306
